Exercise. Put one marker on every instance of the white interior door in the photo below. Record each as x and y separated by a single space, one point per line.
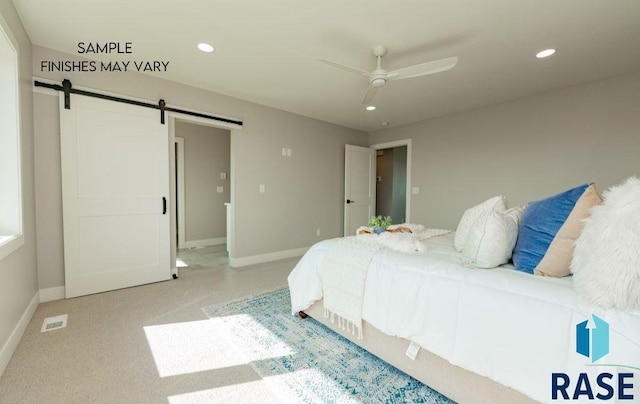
115 190
359 187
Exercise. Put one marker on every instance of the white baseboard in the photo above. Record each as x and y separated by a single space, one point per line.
51 294
14 339
261 258
205 243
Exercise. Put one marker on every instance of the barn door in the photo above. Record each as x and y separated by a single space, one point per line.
115 189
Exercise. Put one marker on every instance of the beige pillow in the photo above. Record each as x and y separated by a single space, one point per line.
557 259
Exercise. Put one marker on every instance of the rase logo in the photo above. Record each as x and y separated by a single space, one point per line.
592 341
592 338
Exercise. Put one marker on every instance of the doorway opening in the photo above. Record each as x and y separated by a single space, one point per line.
391 183
203 192
393 180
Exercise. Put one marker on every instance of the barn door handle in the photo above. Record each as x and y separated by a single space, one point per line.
350 201
164 205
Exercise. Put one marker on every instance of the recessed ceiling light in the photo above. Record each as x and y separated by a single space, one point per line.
371 108
545 53
385 123
205 47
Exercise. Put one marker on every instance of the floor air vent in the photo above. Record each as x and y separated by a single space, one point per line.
54 323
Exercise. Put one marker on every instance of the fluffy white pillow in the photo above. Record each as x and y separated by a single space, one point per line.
606 259
492 238
470 216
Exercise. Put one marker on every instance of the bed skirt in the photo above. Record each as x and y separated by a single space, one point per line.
452 381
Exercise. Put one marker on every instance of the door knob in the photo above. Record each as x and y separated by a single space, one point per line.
350 201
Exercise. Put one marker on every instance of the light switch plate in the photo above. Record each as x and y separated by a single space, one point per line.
262 188
220 190
415 190
223 175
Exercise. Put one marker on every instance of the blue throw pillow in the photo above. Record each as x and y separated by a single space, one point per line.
540 224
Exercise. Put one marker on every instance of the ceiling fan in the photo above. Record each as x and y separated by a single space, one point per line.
379 76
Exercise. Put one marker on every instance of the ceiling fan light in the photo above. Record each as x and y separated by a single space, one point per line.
545 53
378 82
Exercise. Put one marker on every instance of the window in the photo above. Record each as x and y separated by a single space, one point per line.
11 237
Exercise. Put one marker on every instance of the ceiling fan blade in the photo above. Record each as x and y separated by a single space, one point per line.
371 92
423 69
345 67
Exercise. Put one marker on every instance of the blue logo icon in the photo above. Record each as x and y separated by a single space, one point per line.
592 338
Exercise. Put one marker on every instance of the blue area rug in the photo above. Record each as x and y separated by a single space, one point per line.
304 361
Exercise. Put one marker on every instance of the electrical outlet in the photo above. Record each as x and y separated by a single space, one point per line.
262 188
223 175
415 190
318 232
288 152
284 151
220 190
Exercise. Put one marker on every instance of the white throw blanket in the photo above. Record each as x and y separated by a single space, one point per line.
345 267
343 273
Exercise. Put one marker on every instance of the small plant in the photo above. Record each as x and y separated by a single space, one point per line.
380 221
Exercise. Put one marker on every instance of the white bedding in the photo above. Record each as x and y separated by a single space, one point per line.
512 327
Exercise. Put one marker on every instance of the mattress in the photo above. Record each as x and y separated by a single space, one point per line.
512 327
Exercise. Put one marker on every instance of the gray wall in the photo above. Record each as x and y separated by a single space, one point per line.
206 155
18 270
303 192
526 149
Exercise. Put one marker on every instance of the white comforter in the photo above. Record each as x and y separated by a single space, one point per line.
512 327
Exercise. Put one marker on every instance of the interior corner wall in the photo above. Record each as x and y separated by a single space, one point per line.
303 192
206 155
526 150
19 285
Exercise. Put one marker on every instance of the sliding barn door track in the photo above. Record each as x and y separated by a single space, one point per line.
68 89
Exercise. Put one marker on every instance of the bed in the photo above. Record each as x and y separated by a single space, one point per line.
486 335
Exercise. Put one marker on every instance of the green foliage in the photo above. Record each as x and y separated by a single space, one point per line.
380 221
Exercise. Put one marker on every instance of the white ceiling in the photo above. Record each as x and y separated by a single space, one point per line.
266 51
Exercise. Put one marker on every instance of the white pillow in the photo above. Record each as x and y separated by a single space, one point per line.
606 258
492 238
470 216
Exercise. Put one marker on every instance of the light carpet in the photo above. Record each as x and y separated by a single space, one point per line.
304 361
